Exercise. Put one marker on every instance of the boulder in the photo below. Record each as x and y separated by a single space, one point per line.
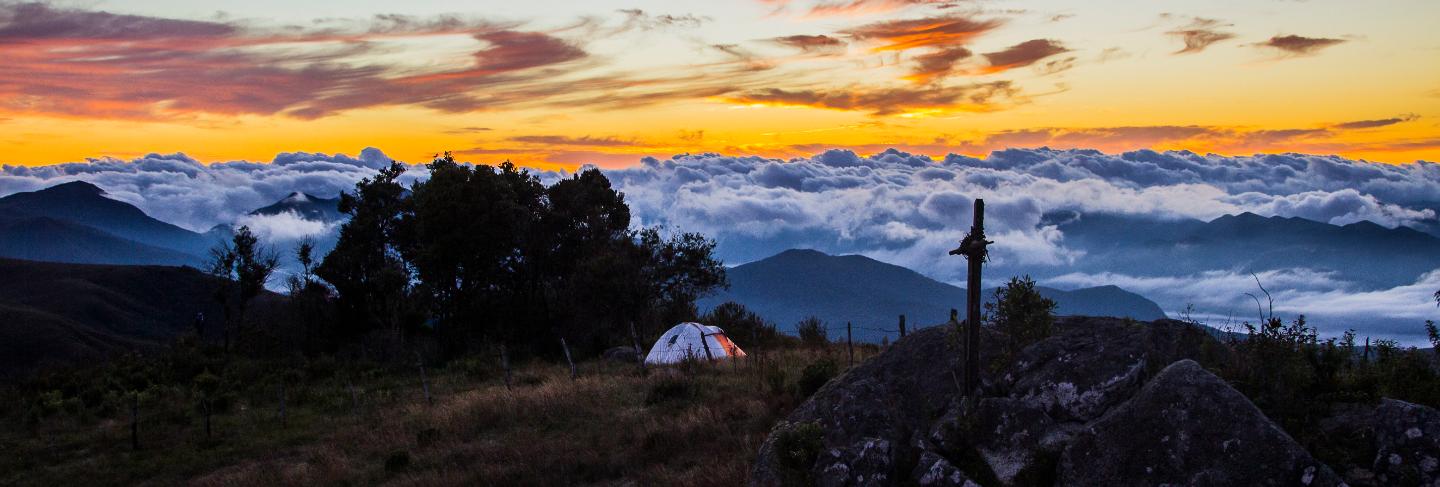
933 470
1407 441
1188 427
890 399
621 354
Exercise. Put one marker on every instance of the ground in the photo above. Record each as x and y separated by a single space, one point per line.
690 425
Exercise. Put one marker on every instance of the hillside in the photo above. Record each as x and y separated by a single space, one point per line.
794 284
75 222
67 313
307 206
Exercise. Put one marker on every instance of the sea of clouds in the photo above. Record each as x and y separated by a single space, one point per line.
897 207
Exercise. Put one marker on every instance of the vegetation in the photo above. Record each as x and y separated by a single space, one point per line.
366 422
812 332
478 256
1021 313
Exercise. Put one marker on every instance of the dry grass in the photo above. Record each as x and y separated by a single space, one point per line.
612 426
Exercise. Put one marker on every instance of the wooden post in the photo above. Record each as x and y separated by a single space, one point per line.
639 354
850 343
354 398
1365 359
568 360
281 394
135 421
902 326
208 410
504 364
973 248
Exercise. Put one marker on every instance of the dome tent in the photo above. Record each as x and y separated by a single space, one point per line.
692 339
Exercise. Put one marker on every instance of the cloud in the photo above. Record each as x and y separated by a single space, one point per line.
888 101
286 227
1022 54
818 44
639 19
937 64
896 35
1384 122
584 140
1293 45
1200 34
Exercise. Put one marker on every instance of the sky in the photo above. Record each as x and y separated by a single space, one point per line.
555 85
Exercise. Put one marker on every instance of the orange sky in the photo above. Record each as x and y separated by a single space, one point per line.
561 84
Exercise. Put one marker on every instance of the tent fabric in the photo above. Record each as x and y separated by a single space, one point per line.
693 340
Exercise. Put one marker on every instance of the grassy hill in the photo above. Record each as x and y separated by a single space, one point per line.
68 313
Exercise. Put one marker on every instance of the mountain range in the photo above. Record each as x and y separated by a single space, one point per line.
795 284
1365 253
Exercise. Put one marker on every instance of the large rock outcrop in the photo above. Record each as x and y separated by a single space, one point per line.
898 420
1188 427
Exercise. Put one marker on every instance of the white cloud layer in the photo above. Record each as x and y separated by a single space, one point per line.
897 207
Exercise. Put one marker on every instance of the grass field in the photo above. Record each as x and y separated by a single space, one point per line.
694 424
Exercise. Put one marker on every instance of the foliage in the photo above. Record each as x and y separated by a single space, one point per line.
742 324
815 375
487 254
244 266
1021 313
796 449
812 332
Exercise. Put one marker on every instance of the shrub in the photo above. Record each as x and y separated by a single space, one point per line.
1022 313
796 449
741 324
815 375
812 332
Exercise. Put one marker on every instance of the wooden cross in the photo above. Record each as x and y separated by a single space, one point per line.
973 248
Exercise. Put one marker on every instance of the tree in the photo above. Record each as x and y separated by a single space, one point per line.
245 266
464 231
812 332
371 279
1021 313
309 301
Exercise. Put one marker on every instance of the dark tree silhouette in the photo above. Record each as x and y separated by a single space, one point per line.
244 266
371 278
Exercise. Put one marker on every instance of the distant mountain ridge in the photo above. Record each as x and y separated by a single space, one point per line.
308 206
1362 252
75 222
794 284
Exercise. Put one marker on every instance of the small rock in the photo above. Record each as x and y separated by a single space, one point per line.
621 354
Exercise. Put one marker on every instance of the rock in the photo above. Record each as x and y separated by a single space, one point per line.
1407 440
934 470
621 354
892 397
866 463
1188 427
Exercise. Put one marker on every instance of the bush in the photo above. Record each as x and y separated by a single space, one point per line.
812 332
796 449
1021 313
815 375
741 324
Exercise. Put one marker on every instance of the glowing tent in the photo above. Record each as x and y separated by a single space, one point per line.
694 340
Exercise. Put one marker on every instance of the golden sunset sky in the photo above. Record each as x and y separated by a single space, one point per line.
559 84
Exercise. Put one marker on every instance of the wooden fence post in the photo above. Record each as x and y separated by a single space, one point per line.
505 364
135 421
639 353
850 343
568 360
281 394
354 398
425 381
902 326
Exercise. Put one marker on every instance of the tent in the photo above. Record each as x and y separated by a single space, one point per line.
695 340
